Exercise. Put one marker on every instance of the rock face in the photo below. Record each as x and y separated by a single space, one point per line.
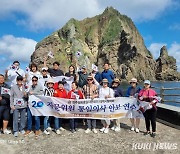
166 66
108 37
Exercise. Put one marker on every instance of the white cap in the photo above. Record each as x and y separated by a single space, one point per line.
44 68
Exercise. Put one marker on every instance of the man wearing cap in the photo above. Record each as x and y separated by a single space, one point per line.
105 92
96 74
107 74
44 72
132 91
149 95
90 90
82 77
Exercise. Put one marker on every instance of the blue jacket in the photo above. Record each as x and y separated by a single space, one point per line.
137 90
98 77
108 74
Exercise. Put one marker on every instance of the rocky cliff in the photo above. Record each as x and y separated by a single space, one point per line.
108 37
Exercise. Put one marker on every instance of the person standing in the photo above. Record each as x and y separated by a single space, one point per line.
35 89
107 74
18 103
55 71
12 73
71 73
105 92
4 105
132 92
149 95
75 93
90 91
117 93
82 77
60 93
49 91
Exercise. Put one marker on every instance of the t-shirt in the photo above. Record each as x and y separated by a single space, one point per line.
105 91
55 73
12 74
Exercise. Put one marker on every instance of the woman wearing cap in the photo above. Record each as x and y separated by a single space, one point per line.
90 91
61 93
105 92
44 72
132 91
49 91
117 93
75 93
149 96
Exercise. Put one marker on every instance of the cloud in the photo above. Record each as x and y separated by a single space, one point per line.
155 49
175 26
16 48
42 14
173 50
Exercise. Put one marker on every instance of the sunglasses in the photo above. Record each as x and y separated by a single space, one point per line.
34 80
44 70
89 79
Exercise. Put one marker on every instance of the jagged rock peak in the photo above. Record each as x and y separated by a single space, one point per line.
163 52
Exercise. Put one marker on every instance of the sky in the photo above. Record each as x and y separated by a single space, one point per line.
23 23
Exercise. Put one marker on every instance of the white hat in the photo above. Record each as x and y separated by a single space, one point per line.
44 68
147 82
50 80
133 80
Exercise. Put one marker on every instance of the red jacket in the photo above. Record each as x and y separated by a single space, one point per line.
60 93
72 93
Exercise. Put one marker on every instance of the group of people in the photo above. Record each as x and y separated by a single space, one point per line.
85 85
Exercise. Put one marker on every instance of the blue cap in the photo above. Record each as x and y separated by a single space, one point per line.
147 82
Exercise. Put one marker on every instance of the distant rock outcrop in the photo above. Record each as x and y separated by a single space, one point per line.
166 66
108 37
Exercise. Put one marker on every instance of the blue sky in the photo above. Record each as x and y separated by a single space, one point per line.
23 23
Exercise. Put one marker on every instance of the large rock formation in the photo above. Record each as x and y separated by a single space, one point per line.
109 36
166 66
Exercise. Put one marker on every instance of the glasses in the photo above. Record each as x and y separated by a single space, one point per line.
44 70
34 80
133 82
89 79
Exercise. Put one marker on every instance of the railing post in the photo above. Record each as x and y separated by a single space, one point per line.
162 94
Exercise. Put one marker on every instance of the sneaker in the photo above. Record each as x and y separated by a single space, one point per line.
94 131
113 128
102 129
106 130
46 132
58 132
15 134
153 134
49 129
132 129
61 129
28 132
73 131
22 132
117 129
146 133
37 133
6 131
87 131
137 130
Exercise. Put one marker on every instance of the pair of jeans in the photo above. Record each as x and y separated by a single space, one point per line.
57 123
91 123
73 124
29 121
46 122
16 125
150 116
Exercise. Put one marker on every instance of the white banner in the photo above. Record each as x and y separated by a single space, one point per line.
112 108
